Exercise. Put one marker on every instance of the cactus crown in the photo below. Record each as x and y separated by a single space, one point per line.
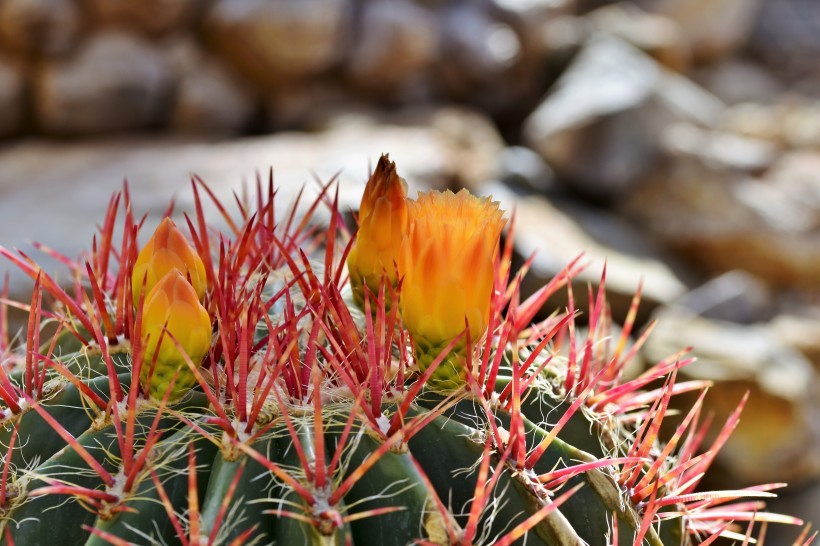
267 408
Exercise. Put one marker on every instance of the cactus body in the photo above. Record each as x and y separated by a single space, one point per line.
310 424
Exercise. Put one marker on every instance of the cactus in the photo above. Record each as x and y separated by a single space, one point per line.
232 392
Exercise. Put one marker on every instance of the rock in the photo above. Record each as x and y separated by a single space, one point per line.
79 177
737 81
39 27
525 170
714 29
658 36
277 43
558 231
116 82
800 330
599 126
720 149
786 38
312 105
723 219
775 440
395 51
209 98
12 98
736 297
150 16
485 61
789 122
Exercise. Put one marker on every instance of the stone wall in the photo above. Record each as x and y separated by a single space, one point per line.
85 67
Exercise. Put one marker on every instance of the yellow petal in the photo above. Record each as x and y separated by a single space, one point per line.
173 309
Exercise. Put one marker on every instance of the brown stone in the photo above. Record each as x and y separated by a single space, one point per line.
12 98
714 29
39 27
209 98
151 16
395 50
275 43
775 440
723 218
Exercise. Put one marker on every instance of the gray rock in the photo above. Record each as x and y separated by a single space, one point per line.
775 440
524 169
116 82
395 50
39 27
150 16
12 97
275 43
484 59
210 99
735 296
600 124
786 37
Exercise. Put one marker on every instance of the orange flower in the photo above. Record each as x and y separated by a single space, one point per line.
447 262
173 307
382 226
167 250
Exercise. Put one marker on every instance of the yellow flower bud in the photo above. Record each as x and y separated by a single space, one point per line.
447 263
167 250
382 226
172 307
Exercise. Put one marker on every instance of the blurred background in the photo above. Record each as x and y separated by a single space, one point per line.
679 140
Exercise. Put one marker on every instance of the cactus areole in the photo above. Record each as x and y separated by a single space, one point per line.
287 382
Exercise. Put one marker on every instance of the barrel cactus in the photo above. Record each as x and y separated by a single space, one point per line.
245 387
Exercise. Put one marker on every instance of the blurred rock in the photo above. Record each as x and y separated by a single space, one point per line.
483 60
559 231
720 149
800 332
395 50
311 105
658 36
276 43
56 192
724 219
151 16
739 81
525 170
787 37
714 29
116 82
791 122
12 98
209 98
775 440
735 296
39 27
599 126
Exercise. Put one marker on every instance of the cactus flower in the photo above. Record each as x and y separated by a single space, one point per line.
382 226
173 307
166 251
448 265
